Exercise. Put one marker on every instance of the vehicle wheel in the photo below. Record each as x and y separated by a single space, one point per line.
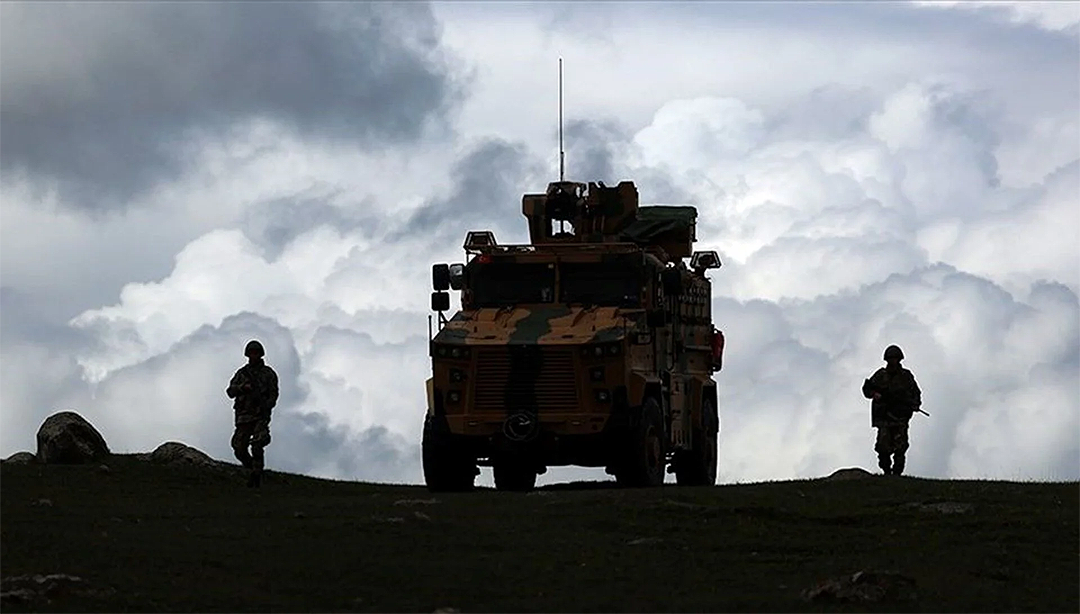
514 474
445 468
697 467
647 450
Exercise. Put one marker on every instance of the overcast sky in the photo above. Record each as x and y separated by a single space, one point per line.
179 178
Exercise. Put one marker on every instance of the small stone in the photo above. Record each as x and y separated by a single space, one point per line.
17 596
21 458
299 515
643 541
43 502
42 589
422 516
411 502
949 507
684 504
103 468
863 587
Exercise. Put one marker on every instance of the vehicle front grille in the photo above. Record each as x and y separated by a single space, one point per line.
515 378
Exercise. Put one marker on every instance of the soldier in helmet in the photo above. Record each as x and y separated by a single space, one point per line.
255 390
896 397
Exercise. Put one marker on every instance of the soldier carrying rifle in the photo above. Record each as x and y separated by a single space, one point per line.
896 397
255 390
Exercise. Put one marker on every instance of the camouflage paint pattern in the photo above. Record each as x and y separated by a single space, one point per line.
551 324
254 390
892 439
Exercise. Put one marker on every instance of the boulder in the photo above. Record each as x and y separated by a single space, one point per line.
21 458
176 453
66 437
850 473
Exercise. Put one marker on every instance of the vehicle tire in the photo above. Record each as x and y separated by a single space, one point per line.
446 469
697 467
514 475
646 452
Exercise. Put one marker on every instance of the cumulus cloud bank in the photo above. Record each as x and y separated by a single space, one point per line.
929 208
105 99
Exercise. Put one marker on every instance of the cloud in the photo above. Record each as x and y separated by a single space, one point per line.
107 101
487 185
1053 16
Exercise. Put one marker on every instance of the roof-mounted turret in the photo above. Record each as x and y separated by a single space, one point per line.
574 212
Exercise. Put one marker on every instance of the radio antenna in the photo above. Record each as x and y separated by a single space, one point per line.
561 153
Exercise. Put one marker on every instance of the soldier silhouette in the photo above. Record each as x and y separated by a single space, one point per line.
255 389
896 397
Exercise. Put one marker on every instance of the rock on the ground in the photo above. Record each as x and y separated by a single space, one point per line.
66 437
945 507
415 501
176 453
43 588
850 473
20 458
864 587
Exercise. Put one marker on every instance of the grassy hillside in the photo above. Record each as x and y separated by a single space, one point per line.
184 539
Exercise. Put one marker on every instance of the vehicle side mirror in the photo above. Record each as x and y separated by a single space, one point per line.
671 280
440 277
705 260
440 301
457 276
656 318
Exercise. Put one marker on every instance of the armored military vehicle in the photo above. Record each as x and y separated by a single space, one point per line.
593 346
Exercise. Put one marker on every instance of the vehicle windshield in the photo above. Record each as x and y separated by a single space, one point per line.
496 284
616 283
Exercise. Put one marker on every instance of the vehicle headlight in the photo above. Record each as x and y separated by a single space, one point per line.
455 352
598 350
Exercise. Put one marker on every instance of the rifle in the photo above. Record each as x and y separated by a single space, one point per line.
883 393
